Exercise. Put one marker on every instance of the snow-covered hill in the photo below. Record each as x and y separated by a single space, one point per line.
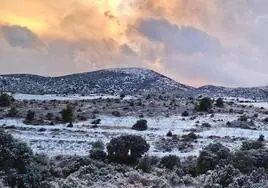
256 93
108 81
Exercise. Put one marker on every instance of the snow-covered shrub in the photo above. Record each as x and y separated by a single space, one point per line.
170 162
140 125
248 160
97 154
21 166
248 145
127 148
211 156
98 145
145 164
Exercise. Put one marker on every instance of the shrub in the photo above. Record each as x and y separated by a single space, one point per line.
211 156
204 105
96 121
5 100
248 145
97 154
185 114
12 111
49 116
261 138
67 114
98 145
127 149
248 160
116 113
141 125
169 134
29 116
170 162
145 164
219 103
21 167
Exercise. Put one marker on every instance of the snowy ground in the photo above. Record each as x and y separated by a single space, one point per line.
59 139
19 96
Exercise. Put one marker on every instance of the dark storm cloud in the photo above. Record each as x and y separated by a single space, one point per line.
18 36
184 39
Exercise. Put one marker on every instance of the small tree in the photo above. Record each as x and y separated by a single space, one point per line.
127 148
204 105
12 111
29 116
170 161
5 100
219 103
140 125
67 114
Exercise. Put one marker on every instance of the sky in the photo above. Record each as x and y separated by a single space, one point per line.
195 42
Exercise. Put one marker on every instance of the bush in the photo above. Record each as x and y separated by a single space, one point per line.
127 149
12 111
204 105
170 162
211 156
22 168
97 154
49 116
185 114
219 103
5 100
169 134
67 114
249 160
145 164
261 138
29 116
98 145
248 145
141 125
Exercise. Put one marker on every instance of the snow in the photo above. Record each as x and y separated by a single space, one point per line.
49 97
59 139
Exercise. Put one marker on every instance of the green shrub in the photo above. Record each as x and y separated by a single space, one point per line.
204 105
67 114
5 100
29 116
140 125
170 162
12 111
219 103
127 148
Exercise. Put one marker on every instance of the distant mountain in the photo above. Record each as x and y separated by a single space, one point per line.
108 81
116 81
258 93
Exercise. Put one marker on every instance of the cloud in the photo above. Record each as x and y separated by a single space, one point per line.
195 42
18 36
184 39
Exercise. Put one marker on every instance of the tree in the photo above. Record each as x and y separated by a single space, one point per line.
219 103
140 125
67 114
29 116
204 105
5 100
127 148
12 111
